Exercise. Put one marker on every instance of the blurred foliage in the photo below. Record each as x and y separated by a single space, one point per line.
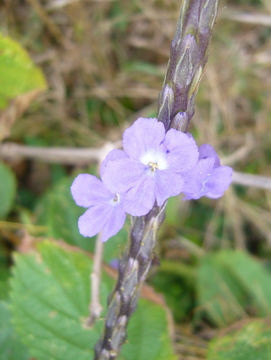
251 342
104 62
18 74
178 292
10 344
231 286
55 282
59 213
7 190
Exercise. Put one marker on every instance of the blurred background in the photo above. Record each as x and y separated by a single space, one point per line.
104 63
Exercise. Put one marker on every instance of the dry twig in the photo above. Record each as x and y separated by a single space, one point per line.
95 280
83 156
257 181
70 156
247 18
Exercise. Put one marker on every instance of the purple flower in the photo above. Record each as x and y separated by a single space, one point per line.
105 213
154 166
151 167
113 155
208 177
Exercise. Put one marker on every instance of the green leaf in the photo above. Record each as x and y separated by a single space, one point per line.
219 295
148 336
231 285
253 277
176 289
7 190
10 345
4 281
59 213
50 298
18 74
252 342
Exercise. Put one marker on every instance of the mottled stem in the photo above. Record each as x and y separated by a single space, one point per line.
133 269
175 109
188 56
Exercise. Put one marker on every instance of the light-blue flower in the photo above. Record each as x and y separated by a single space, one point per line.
152 166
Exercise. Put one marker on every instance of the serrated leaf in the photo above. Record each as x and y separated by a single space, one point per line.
18 74
231 285
7 190
50 298
148 336
252 342
11 347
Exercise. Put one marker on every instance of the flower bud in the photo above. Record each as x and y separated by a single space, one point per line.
166 105
180 121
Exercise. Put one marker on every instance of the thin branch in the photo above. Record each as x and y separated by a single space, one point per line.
84 156
190 246
33 229
57 4
247 18
95 307
71 156
257 181
240 153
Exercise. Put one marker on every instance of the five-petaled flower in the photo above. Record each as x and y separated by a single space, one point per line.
153 166
105 212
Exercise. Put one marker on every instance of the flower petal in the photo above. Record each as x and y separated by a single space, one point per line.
114 223
218 182
113 155
194 179
139 200
182 151
94 219
120 175
87 190
143 135
167 184
207 151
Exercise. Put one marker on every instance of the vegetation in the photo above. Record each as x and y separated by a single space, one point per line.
75 74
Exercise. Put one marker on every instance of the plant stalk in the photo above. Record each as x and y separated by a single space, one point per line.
188 56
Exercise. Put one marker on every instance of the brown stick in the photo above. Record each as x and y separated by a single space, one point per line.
75 156
71 156
257 181
95 307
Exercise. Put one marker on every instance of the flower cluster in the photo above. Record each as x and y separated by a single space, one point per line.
153 166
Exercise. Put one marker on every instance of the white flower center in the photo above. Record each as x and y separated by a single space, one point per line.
155 160
115 200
